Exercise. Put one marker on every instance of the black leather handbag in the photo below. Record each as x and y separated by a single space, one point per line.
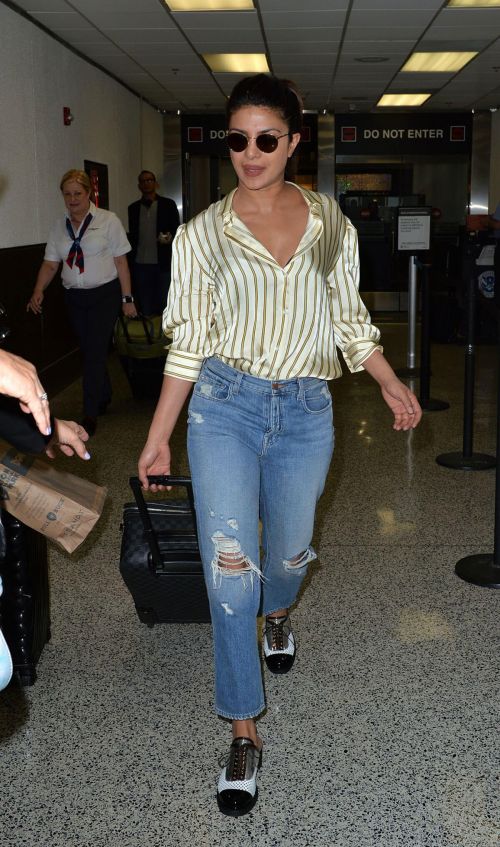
160 560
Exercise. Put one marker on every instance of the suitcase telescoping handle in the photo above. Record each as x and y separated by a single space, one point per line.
149 532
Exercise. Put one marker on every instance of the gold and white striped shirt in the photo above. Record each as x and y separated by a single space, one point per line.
230 298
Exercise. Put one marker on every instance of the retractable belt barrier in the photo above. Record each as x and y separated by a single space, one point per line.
484 568
467 460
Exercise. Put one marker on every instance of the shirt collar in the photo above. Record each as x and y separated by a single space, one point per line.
235 229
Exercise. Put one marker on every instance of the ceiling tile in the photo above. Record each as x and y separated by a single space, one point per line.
32 6
329 36
303 19
132 20
396 5
146 36
56 21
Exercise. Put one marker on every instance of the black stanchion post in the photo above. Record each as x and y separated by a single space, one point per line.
467 460
484 568
425 399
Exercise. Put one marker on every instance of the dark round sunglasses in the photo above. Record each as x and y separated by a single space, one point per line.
265 142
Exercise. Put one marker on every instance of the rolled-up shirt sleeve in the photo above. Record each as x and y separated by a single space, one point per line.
188 315
355 334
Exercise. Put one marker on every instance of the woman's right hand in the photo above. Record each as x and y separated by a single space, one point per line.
154 460
35 302
18 378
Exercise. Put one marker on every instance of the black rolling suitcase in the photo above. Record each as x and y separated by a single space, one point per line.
160 560
140 344
25 602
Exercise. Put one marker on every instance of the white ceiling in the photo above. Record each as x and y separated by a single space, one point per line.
320 44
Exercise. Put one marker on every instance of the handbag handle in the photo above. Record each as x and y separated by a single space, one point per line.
147 329
161 479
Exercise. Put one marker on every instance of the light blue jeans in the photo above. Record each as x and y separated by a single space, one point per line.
257 449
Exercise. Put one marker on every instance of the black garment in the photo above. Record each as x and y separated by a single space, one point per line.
167 220
497 274
93 313
20 429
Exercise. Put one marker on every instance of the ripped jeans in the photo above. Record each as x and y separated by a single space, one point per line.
257 450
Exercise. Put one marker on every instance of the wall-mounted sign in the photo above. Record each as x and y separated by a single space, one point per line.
414 228
407 133
206 134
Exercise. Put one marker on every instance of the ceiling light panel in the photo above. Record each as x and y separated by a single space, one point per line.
477 4
437 62
398 100
222 21
209 5
237 63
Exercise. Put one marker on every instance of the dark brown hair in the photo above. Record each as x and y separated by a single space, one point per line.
267 91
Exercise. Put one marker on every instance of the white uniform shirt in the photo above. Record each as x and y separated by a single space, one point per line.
104 239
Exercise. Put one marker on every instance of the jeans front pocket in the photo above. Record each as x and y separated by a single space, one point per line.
211 387
317 399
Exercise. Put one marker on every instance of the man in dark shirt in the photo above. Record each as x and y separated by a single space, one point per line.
152 223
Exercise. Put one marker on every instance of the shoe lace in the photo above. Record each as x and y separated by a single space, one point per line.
278 634
236 762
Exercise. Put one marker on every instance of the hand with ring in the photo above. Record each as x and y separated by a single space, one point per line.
18 378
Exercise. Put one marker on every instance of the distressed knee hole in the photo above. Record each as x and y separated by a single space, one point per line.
229 554
229 559
299 561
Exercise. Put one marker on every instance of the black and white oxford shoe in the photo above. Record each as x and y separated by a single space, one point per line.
237 789
279 644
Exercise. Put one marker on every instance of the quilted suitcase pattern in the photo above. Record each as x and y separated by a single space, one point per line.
25 602
160 561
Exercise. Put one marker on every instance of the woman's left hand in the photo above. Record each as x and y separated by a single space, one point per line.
129 310
403 404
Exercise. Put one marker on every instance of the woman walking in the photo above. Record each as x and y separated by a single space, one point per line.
264 288
92 245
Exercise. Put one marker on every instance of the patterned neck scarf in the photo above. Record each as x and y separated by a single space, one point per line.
75 252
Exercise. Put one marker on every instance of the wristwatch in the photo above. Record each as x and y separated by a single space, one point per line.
127 298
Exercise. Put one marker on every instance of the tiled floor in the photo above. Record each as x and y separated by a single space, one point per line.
385 731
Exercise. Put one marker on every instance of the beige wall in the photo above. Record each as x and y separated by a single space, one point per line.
38 76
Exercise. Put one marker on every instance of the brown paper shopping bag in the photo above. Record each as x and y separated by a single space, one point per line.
56 503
